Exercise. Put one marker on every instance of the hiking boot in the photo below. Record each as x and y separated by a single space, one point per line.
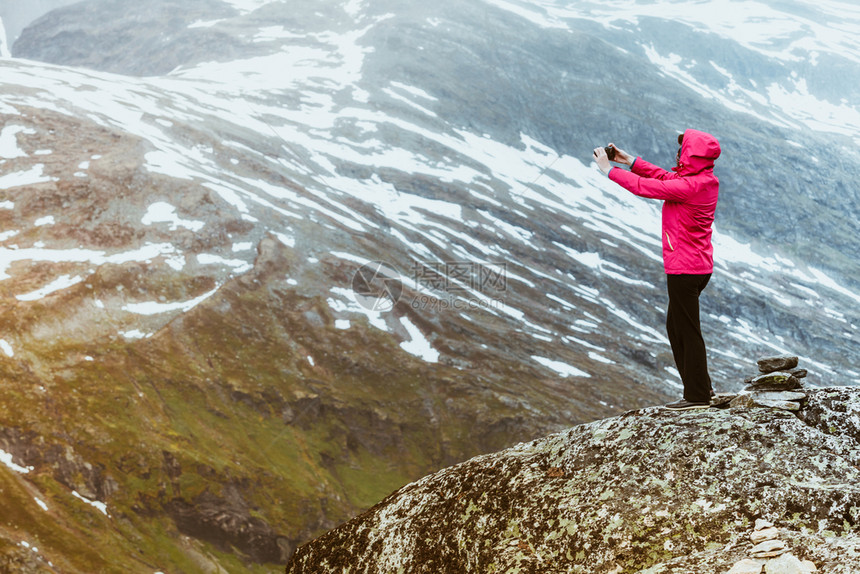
685 405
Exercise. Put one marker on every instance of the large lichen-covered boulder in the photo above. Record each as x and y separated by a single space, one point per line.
651 491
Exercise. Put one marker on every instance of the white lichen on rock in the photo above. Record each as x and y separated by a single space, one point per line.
650 491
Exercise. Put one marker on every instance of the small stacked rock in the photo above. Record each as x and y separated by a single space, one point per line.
770 554
777 385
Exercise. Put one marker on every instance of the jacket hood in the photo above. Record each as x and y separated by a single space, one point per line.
698 153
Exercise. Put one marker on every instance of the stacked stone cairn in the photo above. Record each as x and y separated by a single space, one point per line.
770 555
778 385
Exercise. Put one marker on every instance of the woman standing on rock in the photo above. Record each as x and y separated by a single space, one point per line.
689 201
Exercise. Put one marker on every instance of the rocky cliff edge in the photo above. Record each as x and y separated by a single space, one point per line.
651 491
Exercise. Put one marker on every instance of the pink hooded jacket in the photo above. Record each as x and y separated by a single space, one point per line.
690 200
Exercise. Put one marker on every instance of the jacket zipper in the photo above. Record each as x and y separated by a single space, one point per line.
669 241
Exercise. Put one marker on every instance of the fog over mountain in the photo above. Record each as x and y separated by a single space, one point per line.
188 189
16 15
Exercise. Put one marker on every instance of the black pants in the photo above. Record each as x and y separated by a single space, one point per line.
685 334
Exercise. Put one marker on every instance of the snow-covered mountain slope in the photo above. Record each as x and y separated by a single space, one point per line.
792 64
502 74
194 237
373 155
490 204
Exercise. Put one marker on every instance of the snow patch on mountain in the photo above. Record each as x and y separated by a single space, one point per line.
9 255
32 176
100 506
561 368
163 212
816 113
9 148
157 308
418 344
6 459
62 282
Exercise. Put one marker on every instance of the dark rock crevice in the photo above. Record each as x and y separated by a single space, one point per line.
229 524
65 464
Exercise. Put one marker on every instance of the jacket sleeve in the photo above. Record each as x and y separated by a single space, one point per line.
678 189
649 170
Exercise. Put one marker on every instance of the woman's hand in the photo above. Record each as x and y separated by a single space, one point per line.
622 156
602 160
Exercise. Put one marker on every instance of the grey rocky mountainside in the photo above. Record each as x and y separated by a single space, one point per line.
650 491
497 75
